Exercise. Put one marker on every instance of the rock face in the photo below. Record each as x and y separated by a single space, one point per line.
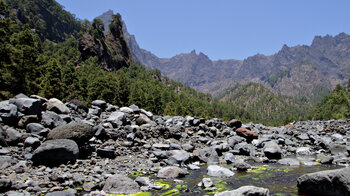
78 132
171 172
119 184
55 152
217 171
246 191
332 182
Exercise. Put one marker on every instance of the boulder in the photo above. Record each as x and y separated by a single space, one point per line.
289 162
142 119
79 132
178 157
171 172
246 191
207 155
329 182
119 184
232 141
229 158
95 111
32 142
241 165
5 185
34 128
8 112
247 134
28 106
243 149
272 150
338 149
206 183
56 152
117 119
234 123
217 171
107 152
13 137
57 106
69 192
99 103
25 120
303 151
52 120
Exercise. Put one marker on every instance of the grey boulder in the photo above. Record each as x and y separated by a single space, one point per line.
330 182
28 106
52 120
55 152
218 171
171 172
246 191
272 150
79 132
57 106
118 184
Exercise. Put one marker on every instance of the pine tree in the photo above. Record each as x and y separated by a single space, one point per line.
52 85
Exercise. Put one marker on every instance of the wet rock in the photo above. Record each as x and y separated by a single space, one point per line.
57 106
289 161
171 172
193 167
55 152
79 132
272 150
242 166
207 155
246 191
119 184
52 120
28 106
247 134
206 183
234 123
330 182
217 171
143 181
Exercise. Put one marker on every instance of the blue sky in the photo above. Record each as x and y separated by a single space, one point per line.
221 29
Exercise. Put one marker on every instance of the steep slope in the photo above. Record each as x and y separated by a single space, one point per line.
46 17
306 72
263 105
334 106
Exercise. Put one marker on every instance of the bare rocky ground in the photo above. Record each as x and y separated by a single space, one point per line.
54 148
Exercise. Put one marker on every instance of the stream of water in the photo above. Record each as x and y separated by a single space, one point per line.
280 180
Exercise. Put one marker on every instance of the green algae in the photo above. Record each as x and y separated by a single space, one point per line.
141 194
164 184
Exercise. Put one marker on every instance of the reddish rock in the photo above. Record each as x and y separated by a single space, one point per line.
246 133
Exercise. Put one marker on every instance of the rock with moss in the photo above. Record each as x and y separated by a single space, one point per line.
79 132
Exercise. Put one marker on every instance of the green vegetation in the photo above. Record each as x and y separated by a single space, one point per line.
334 106
88 65
263 105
